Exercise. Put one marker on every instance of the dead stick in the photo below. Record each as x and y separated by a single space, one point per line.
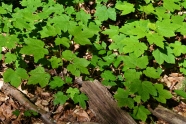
168 115
9 90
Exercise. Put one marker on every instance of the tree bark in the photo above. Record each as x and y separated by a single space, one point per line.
103 105
168 115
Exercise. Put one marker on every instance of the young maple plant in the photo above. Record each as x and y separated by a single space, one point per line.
131 44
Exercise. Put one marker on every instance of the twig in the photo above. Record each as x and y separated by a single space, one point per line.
9 90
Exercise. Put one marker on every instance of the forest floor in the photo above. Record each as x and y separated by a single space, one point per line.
11 111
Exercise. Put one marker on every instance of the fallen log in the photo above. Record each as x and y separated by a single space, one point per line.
168 115
103 105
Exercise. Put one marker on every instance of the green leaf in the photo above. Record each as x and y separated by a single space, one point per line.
177 19
68 55
117 43
62 22
166 28
80 36
109 58
148 9
146 90
21 24
39 75
98 46
72 91
73 69
147 1
178 48
59 98
79 65
180 93
162 94
171 5
16 112
8 41
132 74
113 31
134 86
182 30
34 47
81 98
133 45
125 7
108 75
183 70
122 97
57 9
108 83
152 73
183 63
68 80
137 99
161 12
34 3
81 62
82 16
93 28
11 41
156 39
111 13
64 41
140 112
83 70
56 62
103 13
117 61
56 82
49 30
183 4
15 77
69 10
29 113
132 61
162 55
99 1
2 10
9 57
139 29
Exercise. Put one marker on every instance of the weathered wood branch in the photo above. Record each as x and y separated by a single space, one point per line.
168 115
9 90
103 105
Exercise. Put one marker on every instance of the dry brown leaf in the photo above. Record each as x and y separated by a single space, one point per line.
45 94
2 117
81 115
180 109
44 102
6 110
174 75
3 97
173 81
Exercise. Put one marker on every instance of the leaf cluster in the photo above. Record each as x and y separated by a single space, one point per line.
127 45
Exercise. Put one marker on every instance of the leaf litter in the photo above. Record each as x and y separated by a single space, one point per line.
176 81
43 99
